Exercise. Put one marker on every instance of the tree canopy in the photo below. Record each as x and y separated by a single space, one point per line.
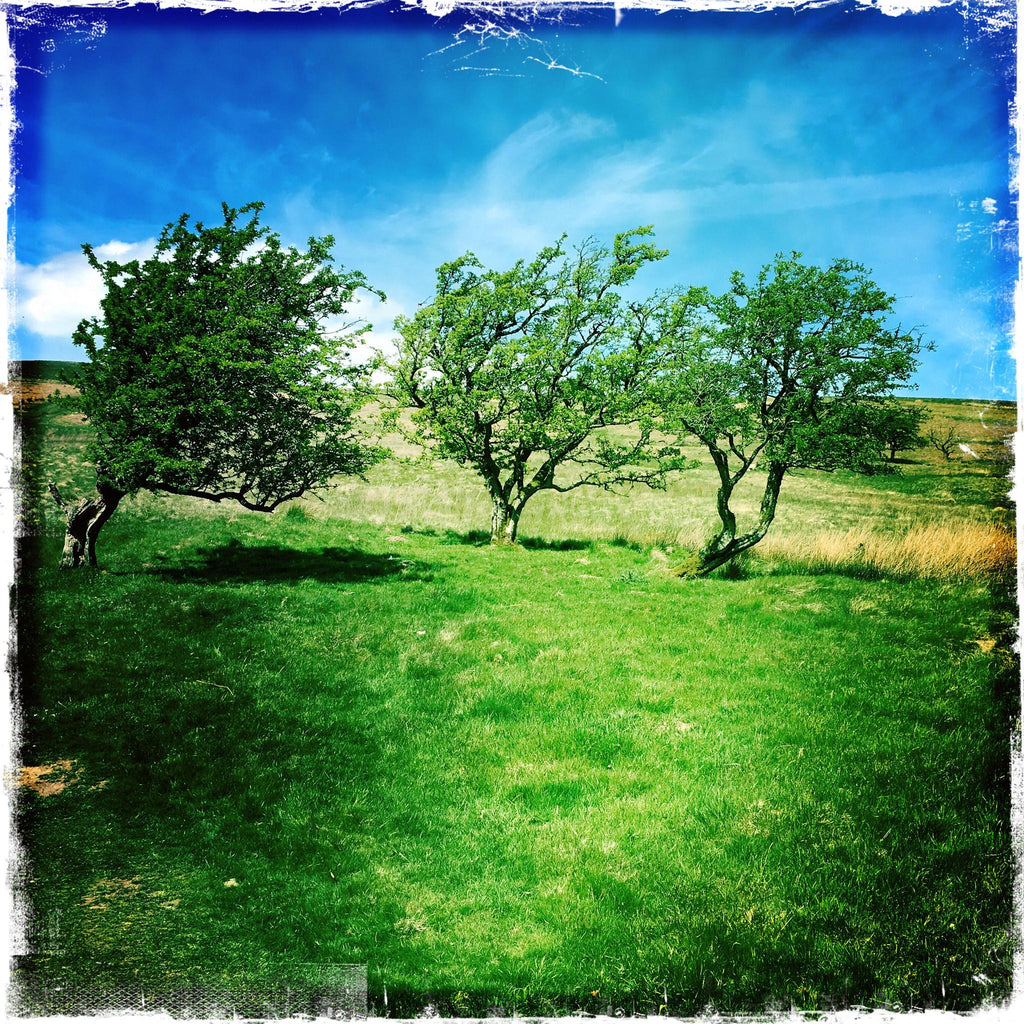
795 369
899 428
212 372
518 373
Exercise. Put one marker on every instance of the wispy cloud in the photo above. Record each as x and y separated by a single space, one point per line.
573 174
537 147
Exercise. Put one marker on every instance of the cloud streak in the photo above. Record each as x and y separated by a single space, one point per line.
571 174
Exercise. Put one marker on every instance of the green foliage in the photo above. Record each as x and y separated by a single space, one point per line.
898 427
533 363
210 371
775 369
793 371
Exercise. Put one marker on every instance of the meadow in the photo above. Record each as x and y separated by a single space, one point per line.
534 780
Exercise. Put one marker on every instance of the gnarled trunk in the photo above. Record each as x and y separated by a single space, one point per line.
726 545
84 522
504 523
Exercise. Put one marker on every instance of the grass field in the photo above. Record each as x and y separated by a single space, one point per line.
541 779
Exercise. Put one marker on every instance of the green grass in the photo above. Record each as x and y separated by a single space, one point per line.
544 779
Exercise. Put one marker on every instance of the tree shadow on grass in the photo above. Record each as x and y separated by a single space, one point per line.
568 544
741 570
271 563
481 538
190 763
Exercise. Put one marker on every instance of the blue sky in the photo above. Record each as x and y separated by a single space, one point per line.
835 133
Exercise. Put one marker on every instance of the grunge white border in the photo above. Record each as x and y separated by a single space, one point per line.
993 13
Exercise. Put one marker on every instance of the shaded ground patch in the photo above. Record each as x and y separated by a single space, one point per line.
272 563
481 538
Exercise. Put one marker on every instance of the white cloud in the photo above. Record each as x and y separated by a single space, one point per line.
369 309
989 206
52 297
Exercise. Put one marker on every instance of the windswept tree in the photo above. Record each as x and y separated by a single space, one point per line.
211 373
794 370
517 373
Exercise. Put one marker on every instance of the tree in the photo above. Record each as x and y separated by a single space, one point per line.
793 370
899 427
211 373
947 442
517 373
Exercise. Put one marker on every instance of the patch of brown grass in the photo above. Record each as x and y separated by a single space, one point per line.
110 891
24 392
960 551
48 779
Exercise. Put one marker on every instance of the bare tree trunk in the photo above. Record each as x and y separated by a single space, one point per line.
84 522
726 545
504 523
720 548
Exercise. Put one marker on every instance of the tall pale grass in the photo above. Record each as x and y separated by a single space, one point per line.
963 550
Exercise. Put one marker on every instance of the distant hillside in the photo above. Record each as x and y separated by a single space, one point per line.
1005 403
40 369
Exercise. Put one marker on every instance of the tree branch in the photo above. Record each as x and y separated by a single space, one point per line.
238 495
61 503
648 478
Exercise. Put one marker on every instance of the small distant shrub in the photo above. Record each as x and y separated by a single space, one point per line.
945 441
899 428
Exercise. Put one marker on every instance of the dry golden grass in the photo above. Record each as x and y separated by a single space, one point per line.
24 392
48 779
961 550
